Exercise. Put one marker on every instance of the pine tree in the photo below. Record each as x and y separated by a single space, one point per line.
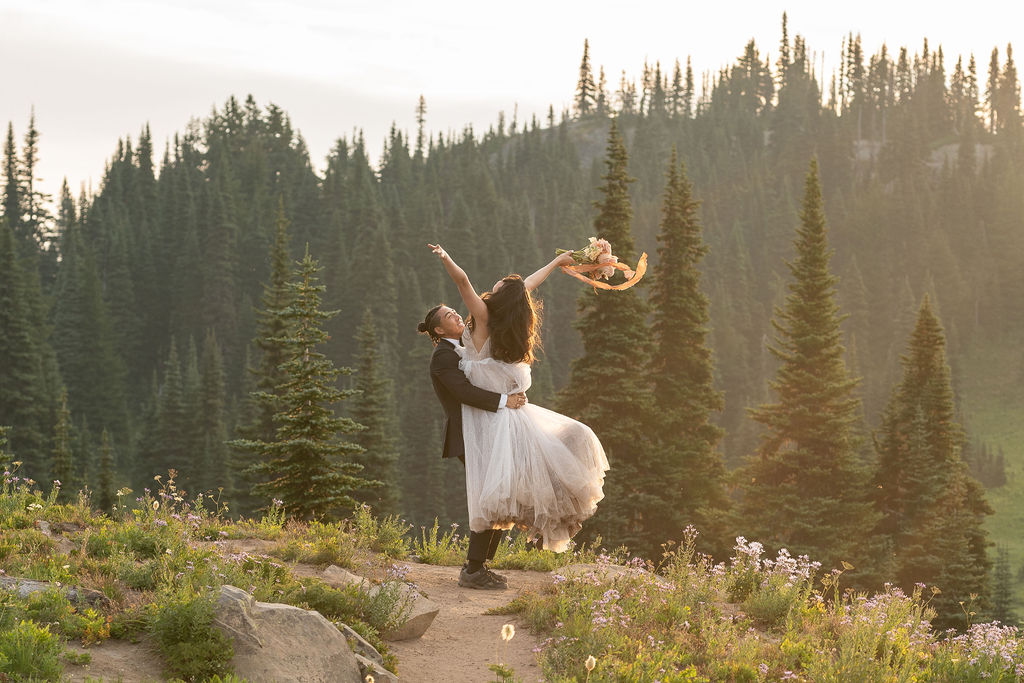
6 457
803 489
1002 588
932 509
586 91
12 195
62 464
605 391
271 328
374 408
105 481
691 468
306 467
24 403
211 425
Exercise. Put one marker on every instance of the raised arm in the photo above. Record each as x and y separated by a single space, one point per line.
534 280
477 307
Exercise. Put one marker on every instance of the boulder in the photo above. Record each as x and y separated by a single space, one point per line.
25 587
360 646
379 673
339 578
276 642
419 612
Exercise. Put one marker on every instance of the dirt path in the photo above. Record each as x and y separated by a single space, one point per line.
457 648
463 641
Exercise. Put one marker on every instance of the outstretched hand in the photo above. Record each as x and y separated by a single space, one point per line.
438 250
565 259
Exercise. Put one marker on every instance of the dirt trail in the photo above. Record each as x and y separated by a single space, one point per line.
463 641
457 648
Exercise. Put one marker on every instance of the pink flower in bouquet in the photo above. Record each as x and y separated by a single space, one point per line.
607 271
603 244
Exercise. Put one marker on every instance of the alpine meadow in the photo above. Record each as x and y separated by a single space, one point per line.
826 355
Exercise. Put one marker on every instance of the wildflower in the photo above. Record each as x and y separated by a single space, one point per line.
369 678
156 505
56 482
161 522
590 663
168 551
508 632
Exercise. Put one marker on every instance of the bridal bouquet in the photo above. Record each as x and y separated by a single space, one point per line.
595 263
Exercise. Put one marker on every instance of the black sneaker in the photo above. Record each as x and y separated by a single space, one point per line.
481 579
496 577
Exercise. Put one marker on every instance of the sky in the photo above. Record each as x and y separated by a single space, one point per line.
98 70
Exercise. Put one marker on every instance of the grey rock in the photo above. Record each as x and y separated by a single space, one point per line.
339 578
359 644
379 673
419 612
276 642
26 587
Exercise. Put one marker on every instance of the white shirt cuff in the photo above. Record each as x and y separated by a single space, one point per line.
503 401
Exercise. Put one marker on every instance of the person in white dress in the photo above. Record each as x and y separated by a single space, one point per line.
532 467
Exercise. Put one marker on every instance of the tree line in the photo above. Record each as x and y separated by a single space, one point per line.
135 321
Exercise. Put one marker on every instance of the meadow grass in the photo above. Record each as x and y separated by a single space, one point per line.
751 619
152 560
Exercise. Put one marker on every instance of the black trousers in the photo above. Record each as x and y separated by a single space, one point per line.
483 544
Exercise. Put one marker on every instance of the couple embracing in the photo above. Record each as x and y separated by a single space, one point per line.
526 466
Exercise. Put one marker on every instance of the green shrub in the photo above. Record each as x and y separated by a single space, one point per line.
29 651
192 648
447 549
385 536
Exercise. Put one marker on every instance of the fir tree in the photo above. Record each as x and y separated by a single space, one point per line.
23 397
6 457
1002 588
211 424
690 467
932 509
804 489
105 481
605 390
586 91
62 464
306 467
374 408
12 195
271 328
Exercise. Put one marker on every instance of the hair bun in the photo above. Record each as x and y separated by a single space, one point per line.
422 327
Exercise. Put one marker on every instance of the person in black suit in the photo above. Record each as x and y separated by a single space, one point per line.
445 326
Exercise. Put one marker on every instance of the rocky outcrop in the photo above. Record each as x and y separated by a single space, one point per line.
276 642
25 587
418 611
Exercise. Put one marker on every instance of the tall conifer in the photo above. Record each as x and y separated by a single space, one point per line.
374 408
306 466
105 479
804 489
606 391
690 465
932 509
62 464
586 91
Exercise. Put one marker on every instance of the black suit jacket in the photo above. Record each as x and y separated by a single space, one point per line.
453 389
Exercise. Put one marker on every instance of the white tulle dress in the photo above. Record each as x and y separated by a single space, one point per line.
529 467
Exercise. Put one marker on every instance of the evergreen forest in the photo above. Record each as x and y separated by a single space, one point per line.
825 354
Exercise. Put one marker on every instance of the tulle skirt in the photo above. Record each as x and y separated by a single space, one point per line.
528 467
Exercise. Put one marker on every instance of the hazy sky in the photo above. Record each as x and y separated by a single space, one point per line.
96 70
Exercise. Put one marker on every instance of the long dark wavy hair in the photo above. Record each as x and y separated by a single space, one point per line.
513 318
